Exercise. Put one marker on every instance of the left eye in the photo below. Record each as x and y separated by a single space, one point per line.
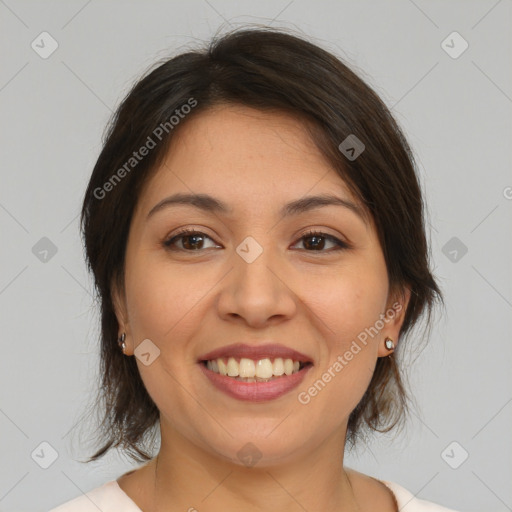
317 237
193 241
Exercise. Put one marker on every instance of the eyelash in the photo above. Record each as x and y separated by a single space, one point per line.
168 244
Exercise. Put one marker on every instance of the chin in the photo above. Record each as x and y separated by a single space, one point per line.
258 448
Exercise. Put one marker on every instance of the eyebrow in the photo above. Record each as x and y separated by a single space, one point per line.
210 204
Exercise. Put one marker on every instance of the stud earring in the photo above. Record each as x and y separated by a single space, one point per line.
389 344
121 342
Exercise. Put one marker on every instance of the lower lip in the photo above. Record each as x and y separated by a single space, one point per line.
255 391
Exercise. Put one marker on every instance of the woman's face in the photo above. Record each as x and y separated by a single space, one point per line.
217 288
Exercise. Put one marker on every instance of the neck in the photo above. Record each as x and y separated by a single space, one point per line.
186 477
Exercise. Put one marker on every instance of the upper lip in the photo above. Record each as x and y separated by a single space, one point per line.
256 352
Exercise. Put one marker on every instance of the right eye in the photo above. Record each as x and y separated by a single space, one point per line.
191 240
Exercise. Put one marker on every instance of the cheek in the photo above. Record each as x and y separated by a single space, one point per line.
163 306
349 307
350 303
161 299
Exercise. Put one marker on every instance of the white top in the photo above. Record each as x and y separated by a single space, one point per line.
111 498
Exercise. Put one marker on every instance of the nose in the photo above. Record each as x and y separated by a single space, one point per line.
259 292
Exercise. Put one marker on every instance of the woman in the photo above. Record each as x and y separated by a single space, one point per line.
254 226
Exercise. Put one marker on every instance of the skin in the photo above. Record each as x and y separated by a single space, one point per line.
314 300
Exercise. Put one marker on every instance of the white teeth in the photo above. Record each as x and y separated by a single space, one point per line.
278 366
223 368
233 368
246 368
288 366
249 370
264 369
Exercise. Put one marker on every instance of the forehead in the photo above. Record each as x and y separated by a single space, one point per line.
244 155
239 136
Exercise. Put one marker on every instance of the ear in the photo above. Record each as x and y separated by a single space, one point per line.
394 318
118 297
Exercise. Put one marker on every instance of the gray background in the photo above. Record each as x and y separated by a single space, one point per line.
456 114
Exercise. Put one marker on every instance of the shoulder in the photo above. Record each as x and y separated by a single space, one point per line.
109 497
407 502
374 494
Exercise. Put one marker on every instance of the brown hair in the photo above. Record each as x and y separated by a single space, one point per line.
270 70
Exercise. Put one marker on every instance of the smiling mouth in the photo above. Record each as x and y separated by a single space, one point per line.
250 370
